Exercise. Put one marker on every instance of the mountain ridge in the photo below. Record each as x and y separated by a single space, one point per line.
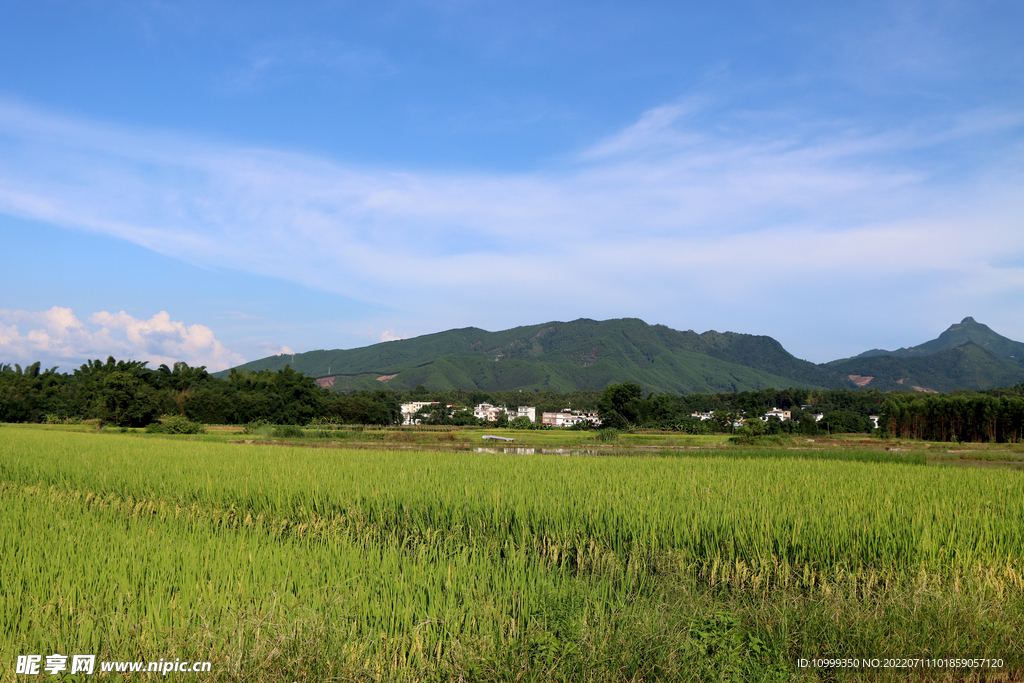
587 354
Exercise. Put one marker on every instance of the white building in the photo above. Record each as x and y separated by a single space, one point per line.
411 408
485 411
781 414
524 411
568 418
703 416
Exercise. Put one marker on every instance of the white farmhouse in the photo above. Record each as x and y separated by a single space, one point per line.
411 408
524 411
781 414
485 411
568 418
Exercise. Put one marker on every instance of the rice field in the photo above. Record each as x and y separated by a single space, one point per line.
290 563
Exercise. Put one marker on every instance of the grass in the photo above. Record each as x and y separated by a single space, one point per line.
297 563
455 437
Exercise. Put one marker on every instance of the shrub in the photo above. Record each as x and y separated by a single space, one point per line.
762 440
262 427
289 431
333 434
175 424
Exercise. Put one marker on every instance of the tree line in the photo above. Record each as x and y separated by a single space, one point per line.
995 416
623 406
128 393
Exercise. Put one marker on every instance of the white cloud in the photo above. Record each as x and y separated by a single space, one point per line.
269 349
657 131
57 336
670 219
389 335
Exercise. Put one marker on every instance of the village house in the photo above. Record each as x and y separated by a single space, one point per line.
568 418
781 414
485 411
524 411
411 408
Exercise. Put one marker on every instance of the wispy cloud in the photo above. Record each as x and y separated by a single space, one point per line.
276 62
238 315
671 213
57 336
657 132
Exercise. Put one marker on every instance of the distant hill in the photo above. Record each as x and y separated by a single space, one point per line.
578 355
967 366
968 355
589 355
968 330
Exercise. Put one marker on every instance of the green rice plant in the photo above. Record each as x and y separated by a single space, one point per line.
755 509
269 560
173 582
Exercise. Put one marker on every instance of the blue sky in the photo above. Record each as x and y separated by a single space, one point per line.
217 182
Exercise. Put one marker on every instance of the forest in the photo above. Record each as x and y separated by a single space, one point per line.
130 394
996 416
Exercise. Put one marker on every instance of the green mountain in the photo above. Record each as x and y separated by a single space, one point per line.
968 355
968 330
589 355
578 355
968 366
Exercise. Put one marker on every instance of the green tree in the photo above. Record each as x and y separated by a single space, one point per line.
125 401
26 395
463 418
521 422
727 419
619 406
774 425
753 426
434 414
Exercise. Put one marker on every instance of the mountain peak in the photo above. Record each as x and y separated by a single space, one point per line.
966 331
